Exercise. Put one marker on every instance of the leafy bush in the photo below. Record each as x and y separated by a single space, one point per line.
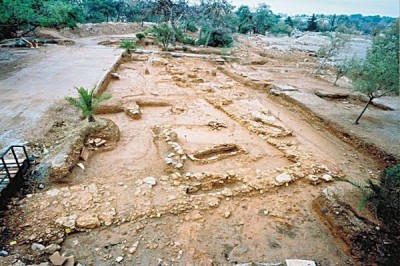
182 38
163 34
148 31
384 197
191 27
128 45
245 28
141 35
218 38
281 28
188 40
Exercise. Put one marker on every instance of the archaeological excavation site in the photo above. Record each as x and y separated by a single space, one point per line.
120 148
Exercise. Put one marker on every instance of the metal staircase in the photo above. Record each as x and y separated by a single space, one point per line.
14 163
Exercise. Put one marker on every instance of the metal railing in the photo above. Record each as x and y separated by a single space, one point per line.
11 165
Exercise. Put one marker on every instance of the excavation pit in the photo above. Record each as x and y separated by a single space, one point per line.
217 152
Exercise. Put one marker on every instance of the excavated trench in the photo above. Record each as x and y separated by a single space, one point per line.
243 158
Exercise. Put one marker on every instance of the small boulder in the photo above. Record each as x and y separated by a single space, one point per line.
150 180
326 178
70 261
57 259
283 178
37 247
52 248
227 192
119 259
87 222
313 179
300 263
133 248
133 111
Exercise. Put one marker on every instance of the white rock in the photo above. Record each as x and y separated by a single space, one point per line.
37 246
52 248
313 178
119 259
150 180
53 192
226 192
81 166
327 177
68 221
213 202
283 178
134 247
300 263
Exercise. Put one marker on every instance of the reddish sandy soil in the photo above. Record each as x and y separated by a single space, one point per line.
228 206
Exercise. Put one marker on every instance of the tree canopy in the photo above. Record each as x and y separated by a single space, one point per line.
212 18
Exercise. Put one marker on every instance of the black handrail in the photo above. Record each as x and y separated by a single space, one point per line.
6 165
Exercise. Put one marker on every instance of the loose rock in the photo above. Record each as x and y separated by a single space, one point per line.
300 263
57 259
283 178
226 192
37 247
134 247
150 180
87 222
52 248
326 177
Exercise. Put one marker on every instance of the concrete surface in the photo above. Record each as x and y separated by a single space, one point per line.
47 76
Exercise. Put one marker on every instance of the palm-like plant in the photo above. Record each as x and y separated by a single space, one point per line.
88 101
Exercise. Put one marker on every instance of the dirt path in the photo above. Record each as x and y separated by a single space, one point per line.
48 76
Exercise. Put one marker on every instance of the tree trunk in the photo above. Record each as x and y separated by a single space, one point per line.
200 33
208 38
338 76
365 108
172 21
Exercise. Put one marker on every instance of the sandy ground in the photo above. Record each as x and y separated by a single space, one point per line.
293 76
165 195
47 74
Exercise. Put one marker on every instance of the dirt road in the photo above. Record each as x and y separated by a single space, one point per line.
48 75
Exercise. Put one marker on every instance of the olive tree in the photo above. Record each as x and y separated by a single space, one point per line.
378 74
336 42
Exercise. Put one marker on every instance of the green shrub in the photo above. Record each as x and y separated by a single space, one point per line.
245 28
224 51
148 31
281 28
163 34
179 36
218 38
140 35
188 40
128 45
384 197
191 27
